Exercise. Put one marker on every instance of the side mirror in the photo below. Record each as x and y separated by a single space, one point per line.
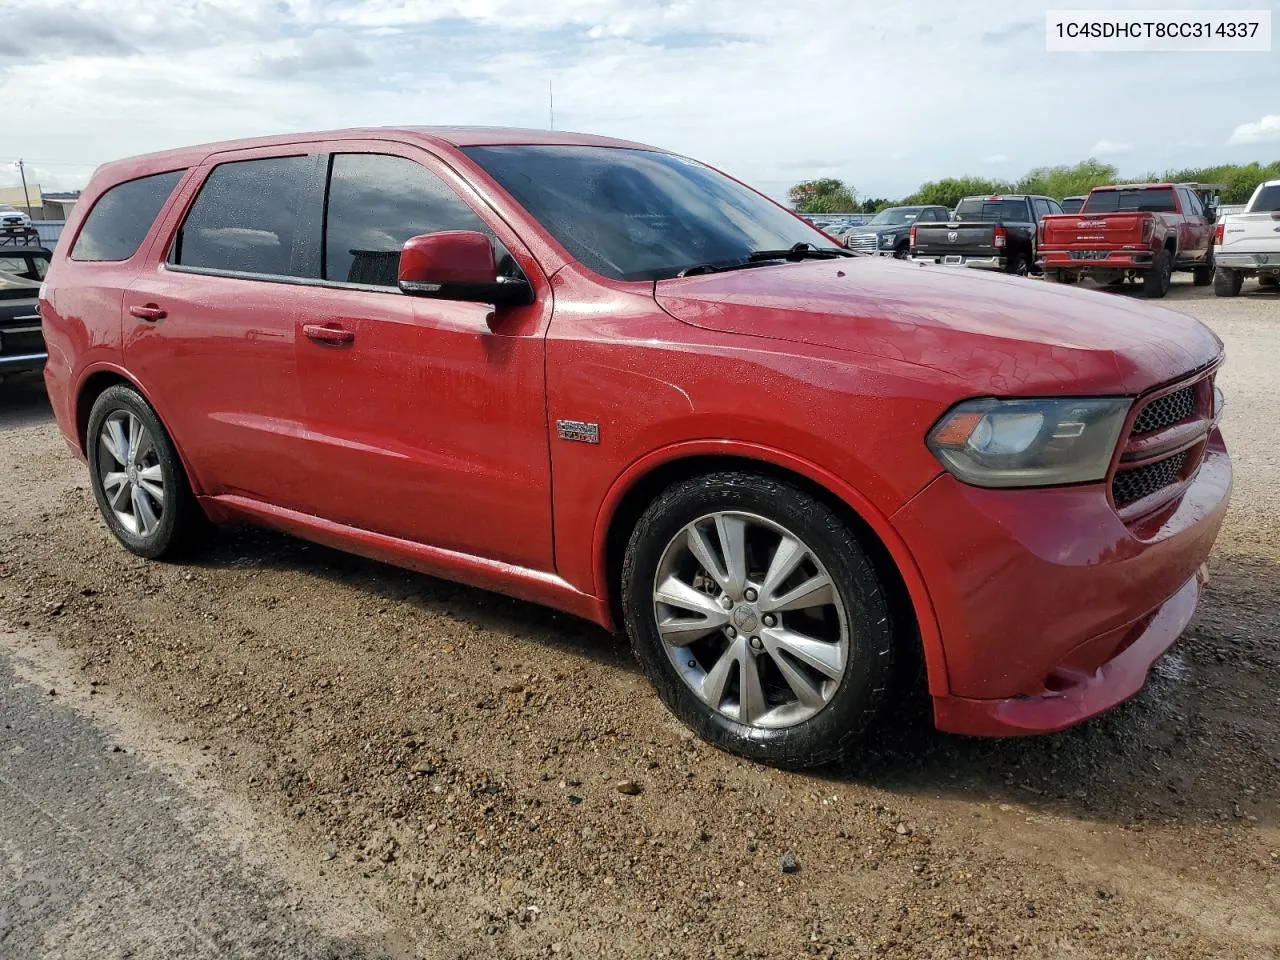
458 265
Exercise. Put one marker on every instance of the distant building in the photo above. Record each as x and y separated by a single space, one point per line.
43 206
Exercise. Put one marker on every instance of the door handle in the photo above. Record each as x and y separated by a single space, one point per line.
324 334
149 312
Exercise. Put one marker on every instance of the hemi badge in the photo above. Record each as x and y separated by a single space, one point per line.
578 430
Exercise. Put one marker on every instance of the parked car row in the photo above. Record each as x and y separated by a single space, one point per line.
994 233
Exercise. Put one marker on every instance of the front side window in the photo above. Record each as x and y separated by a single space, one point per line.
376 203
250 217
634 214
122 217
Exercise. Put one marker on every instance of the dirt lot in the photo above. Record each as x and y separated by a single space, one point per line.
452 757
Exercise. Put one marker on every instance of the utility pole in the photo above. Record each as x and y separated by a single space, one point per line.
551 104
25 195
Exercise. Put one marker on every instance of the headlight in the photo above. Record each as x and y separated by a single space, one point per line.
888 239
1029 443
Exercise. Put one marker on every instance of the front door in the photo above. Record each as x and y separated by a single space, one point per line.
426 419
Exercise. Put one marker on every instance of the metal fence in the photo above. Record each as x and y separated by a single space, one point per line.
49 230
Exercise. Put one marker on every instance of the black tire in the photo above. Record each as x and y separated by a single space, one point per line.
1227 283
1060 276
1157 279
902 252
182 523
832 732
1202 276
1019 265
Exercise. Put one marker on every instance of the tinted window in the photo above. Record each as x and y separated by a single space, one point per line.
1072 204
1267 201
376 203
122 217
1054 206
1191 204
249 217
989 210
1149 201
639 214
1042 208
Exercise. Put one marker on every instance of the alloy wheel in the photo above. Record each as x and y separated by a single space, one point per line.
751 620
130 471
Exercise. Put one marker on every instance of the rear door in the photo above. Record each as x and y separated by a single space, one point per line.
1194 233
210 321
429 422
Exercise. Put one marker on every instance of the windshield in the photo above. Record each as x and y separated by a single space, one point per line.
976 208
895 215
1139 201
1267 200
632 214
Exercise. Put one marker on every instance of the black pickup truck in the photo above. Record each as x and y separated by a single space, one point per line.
22 347
994 233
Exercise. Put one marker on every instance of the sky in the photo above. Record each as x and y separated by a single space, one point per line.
883 95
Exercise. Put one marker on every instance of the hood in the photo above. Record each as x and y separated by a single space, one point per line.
996 334
880 228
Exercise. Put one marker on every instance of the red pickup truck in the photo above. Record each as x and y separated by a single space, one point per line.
1130 231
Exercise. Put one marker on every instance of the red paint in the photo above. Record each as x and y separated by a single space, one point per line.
450 256
421 431
1130 239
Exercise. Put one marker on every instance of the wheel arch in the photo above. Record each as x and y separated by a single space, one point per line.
93 383
647 478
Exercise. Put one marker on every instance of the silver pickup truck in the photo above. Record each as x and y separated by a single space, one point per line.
22 270
1248 244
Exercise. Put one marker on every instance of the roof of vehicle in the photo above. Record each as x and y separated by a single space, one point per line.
1001 196
1158 186
439 136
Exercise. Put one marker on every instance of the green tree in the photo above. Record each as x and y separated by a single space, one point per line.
950 191
827 195
1238 180
1064 181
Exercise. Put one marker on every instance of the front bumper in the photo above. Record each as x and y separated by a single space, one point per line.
961 260
1051 609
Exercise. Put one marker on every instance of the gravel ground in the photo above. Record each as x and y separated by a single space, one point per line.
496 779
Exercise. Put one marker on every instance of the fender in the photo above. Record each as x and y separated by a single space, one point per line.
922 604
105 367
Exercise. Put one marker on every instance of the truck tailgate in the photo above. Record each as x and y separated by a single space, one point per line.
1106 231
1251 233
968 239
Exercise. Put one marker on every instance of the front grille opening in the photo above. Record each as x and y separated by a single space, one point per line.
1130 486
1166 411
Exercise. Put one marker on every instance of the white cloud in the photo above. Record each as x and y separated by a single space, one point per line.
772 94
1266 130
1108 148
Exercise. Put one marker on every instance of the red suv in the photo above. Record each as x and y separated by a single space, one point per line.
610 379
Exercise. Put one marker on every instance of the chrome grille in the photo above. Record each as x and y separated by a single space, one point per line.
865 242
1166 411
1130 486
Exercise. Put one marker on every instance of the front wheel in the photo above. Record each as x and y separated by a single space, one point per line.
137 478
758 618
1227 283
1202 275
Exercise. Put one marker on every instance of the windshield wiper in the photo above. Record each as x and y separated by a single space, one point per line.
801 251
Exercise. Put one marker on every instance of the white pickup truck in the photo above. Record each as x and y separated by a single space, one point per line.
1248 244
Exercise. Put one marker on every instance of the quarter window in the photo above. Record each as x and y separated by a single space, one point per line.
122 217
251 216
376 203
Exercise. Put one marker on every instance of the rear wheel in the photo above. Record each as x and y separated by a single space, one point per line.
1019 264
1156 281
1227 283
137 478
758 618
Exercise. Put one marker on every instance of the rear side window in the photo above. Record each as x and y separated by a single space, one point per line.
251 216
376 203
123 216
